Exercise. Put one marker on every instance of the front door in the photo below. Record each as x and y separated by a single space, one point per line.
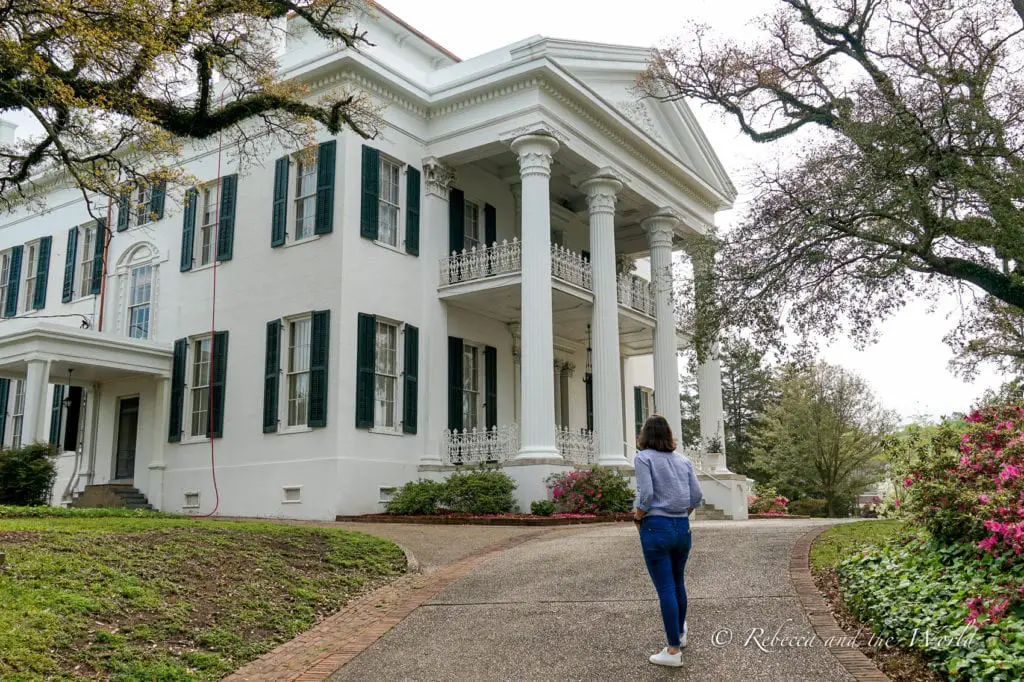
127 433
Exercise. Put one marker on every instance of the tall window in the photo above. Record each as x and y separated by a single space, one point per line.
18 414
470 387
207 223
87 253
200 387
143 205
140 301
5 272
474 229
646 402
305 194
298 371
29 268
390 179
386 380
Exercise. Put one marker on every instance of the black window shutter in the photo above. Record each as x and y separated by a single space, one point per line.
319 356
588 381
279 218
585 255
490 225
456 220
490 386
123 212
638 408
325 165
70 259
71 423
42 273
218 381
370 207
410 381
156 200
177 391
5 389
412 211
366 365
56 410
13 282
272 376
188 228
226 224
454 383
100 249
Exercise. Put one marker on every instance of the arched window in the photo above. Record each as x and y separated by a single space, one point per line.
137 287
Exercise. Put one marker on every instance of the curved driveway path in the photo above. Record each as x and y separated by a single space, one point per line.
578 605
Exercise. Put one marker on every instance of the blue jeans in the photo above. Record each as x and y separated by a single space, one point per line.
666 544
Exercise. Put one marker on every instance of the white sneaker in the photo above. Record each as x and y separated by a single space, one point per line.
667 659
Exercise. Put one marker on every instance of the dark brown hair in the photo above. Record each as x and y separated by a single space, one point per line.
656 434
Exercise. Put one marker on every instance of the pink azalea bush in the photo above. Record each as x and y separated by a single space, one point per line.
591 491
971 490
766 501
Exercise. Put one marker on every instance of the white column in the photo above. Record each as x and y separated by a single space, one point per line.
709 369
535 154
161 417
37 377
433 409
601 191
660 228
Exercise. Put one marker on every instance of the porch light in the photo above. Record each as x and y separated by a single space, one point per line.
67 399
589 364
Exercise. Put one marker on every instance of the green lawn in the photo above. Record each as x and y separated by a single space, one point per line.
837 542
165 598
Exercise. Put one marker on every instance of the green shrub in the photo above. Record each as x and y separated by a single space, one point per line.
416 497
766 500
913 590
7 512
478 492
543 507
809 506
592 491
27 475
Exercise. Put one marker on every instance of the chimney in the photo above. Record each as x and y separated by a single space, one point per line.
7 130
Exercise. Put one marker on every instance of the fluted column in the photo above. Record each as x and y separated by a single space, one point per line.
37 376
601 191
536 153
433 414
709 369
660 228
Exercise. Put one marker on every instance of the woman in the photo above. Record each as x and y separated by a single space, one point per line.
667 491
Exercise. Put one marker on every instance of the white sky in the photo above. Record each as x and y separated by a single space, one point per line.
908 365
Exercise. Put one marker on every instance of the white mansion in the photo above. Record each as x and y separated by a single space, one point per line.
327 327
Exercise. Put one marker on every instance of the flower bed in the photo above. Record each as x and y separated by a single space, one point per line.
564 519
776 515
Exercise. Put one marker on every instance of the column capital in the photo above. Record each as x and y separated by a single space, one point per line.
601 190
437 177
660 227
535 152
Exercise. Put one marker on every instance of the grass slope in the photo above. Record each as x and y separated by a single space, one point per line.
840 540
153 598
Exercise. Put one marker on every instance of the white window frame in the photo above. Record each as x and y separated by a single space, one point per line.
469 378
30 266
300 160
5 272
479 237
139 255
134 305
192 391
379 423
284 406
210 192
17 413
386 203
87 235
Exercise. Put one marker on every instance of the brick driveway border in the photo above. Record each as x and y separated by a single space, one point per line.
317 653
856 663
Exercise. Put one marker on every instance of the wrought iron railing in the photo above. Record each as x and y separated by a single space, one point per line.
635 293
576 445
572 267
481 262
501 443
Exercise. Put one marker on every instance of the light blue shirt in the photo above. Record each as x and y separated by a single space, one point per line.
666 484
